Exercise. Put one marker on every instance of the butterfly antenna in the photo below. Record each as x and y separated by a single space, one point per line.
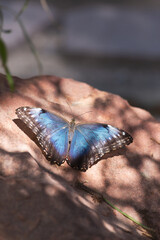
72 111
83 114
69 107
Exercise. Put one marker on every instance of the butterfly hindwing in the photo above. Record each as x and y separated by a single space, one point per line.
51 131
91 141
80 144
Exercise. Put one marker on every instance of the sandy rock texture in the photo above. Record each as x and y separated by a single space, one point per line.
42 201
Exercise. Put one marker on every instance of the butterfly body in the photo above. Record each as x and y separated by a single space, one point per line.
81 145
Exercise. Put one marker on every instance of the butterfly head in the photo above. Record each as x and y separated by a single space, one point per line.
73 122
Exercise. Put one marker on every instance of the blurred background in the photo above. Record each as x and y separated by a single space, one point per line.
111 45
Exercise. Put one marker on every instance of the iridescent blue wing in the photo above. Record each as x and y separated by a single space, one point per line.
51 132
91 141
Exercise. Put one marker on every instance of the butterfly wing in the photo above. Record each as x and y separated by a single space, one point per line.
91 141
51 131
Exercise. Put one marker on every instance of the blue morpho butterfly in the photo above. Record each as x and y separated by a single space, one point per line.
81 145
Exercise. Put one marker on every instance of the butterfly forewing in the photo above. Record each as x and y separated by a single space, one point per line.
51 131
91 141
81 145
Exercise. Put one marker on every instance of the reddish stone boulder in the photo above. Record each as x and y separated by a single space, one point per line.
43 201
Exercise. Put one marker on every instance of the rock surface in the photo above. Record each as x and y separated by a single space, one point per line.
43 201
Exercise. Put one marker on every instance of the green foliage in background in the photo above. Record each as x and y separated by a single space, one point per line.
3 55
3 47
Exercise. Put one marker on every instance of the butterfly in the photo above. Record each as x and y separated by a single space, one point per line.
81 145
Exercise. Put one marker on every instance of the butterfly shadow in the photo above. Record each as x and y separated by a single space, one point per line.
29 133
111 154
